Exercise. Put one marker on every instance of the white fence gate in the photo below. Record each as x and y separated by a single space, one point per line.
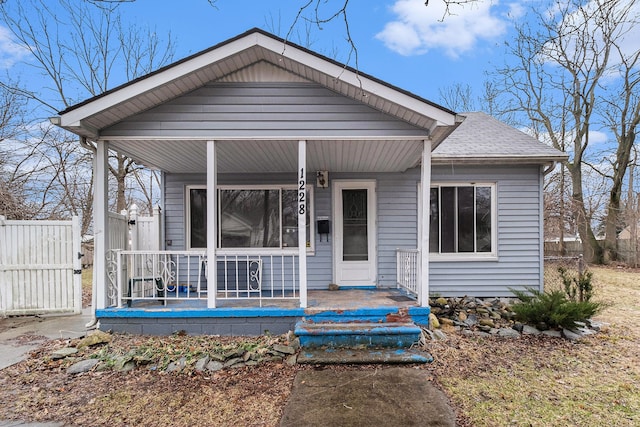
40 267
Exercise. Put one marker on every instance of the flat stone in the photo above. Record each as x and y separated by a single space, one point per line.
63 352
487 322
530 330
552 333
508 333
177 366
284 349
439 335
472 319
446 321
202 363
571 335
292 360
82 366
442 301
462 316
214 365
94 338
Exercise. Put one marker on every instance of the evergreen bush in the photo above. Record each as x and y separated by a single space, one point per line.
554 309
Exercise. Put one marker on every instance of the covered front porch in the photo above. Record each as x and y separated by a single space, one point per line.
293 172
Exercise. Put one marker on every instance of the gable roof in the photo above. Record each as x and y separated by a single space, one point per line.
481 138
89 117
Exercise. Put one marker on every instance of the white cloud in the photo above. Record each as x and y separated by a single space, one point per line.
10 51
418 29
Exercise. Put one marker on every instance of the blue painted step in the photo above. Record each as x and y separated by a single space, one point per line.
357 334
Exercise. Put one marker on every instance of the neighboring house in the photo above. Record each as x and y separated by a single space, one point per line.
295 172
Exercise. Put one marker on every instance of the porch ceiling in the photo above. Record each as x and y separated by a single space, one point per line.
189 156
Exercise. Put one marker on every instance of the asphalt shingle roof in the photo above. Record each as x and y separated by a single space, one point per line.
482 138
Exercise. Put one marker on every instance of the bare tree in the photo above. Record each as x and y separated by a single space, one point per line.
561 59
84 50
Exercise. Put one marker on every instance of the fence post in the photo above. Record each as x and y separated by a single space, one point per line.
77 263
580 265
157 230
133 226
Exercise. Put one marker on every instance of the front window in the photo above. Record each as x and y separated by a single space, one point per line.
462 219
248 218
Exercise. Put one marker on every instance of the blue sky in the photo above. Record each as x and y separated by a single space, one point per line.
402 41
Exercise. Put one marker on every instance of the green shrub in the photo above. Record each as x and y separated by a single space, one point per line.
553 309
577 288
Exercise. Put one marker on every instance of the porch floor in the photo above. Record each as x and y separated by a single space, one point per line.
319 300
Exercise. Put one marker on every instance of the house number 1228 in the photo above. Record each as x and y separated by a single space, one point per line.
302 193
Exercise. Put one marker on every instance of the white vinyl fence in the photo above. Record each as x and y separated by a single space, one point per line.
40 267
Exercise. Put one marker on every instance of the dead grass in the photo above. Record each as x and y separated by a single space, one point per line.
544 381
491 382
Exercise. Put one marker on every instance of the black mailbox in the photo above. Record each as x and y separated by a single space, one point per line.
323 226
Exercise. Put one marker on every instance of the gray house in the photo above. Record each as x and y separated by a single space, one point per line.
286 174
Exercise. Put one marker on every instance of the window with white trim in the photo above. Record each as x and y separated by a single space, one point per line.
462 219
248 217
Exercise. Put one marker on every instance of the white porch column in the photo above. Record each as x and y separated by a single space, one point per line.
212 233
302 220
425 188
100 223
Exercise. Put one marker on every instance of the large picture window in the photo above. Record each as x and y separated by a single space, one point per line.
462 219
259 217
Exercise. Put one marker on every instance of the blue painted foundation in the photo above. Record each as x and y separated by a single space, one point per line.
159 320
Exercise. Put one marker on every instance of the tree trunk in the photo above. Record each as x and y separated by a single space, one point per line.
591 249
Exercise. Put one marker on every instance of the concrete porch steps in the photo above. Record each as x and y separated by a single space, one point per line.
357 334
330 356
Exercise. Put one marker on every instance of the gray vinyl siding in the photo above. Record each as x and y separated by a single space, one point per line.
518 192
262 110
519 235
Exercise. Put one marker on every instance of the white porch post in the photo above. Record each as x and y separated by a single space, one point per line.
302 220
212 233
425 188
100 223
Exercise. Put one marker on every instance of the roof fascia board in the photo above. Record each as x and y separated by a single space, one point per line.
265 138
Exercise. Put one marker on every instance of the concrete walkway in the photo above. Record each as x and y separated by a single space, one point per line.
19 335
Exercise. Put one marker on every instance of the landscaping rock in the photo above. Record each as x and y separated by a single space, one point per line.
487 322
292 360
446 321
441 302
284 349
433 322
462 316
552 333
530 330
202 363
571 335
214 365
439 335
234 361
82 366
508 333
63 352
472 320
94 338
177 366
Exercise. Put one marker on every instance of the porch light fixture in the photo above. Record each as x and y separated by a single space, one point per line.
322 179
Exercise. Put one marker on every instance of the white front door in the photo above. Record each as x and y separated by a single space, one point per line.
354 243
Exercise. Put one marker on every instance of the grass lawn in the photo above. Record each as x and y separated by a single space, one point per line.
529 381
552 382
